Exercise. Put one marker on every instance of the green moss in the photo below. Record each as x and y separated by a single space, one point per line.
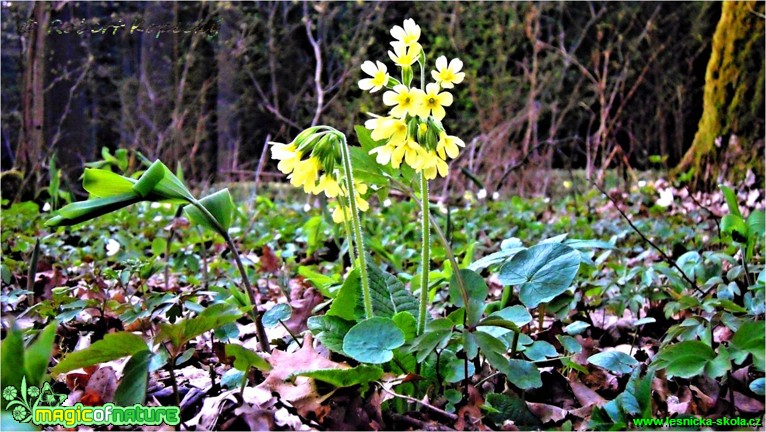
733 97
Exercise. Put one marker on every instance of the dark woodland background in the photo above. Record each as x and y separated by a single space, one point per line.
583 85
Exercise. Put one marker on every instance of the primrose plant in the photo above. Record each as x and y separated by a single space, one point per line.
411 133
373 318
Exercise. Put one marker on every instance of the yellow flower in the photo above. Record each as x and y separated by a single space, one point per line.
384 153
407 35
448 75
328 185
430 164
448 144
341 214
288 156
404 100
432 102
408 150
305 174
403 55
379 74
387 128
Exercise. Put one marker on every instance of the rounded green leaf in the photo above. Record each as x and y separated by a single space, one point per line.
613 361
373 340
524 374
476 291
273 316
542 272
685 359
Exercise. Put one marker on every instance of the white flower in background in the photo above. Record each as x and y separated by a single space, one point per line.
112 247
641 183
387 203
307 207
47 206
666 198
495 196
481 194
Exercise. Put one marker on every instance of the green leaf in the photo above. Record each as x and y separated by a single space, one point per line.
518 314
438 333
135 375
758 386
12 355
280 312
104 183
361 374
185 330
493 349
613 361
731 200
388 294
734 226
750 338
112 347
407 324
476 291
82 211
540 350
38 355
685 359
756 224
244 358
313 229
570 344
524 374
373 340
220 205
543 272
330 331
576 328
511 408
149 179
348 304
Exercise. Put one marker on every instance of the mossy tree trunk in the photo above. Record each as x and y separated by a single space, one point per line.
729 138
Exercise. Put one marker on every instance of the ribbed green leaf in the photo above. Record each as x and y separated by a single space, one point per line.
150 178
103 183
112 347
221 207
82 211
389 295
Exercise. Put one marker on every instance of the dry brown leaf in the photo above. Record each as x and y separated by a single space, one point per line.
302 303
746 404
269 262
585 395
100 388
299 391
469 415
547 413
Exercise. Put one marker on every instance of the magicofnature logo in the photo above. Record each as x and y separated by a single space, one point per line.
41 406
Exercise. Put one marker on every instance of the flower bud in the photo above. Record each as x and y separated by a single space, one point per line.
407 75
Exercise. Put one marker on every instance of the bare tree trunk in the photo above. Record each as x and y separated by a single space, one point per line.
31 142
229 89
67 131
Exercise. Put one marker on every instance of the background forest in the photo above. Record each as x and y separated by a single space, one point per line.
225 211
551 85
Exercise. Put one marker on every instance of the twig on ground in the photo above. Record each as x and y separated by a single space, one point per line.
665 256
430 407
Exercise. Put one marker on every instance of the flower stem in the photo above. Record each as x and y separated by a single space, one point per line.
351 253
425 254
263 341
357 228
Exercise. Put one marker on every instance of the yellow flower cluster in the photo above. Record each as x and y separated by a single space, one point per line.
318 173
412 131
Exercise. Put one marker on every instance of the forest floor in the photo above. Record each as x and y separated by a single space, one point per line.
663 319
